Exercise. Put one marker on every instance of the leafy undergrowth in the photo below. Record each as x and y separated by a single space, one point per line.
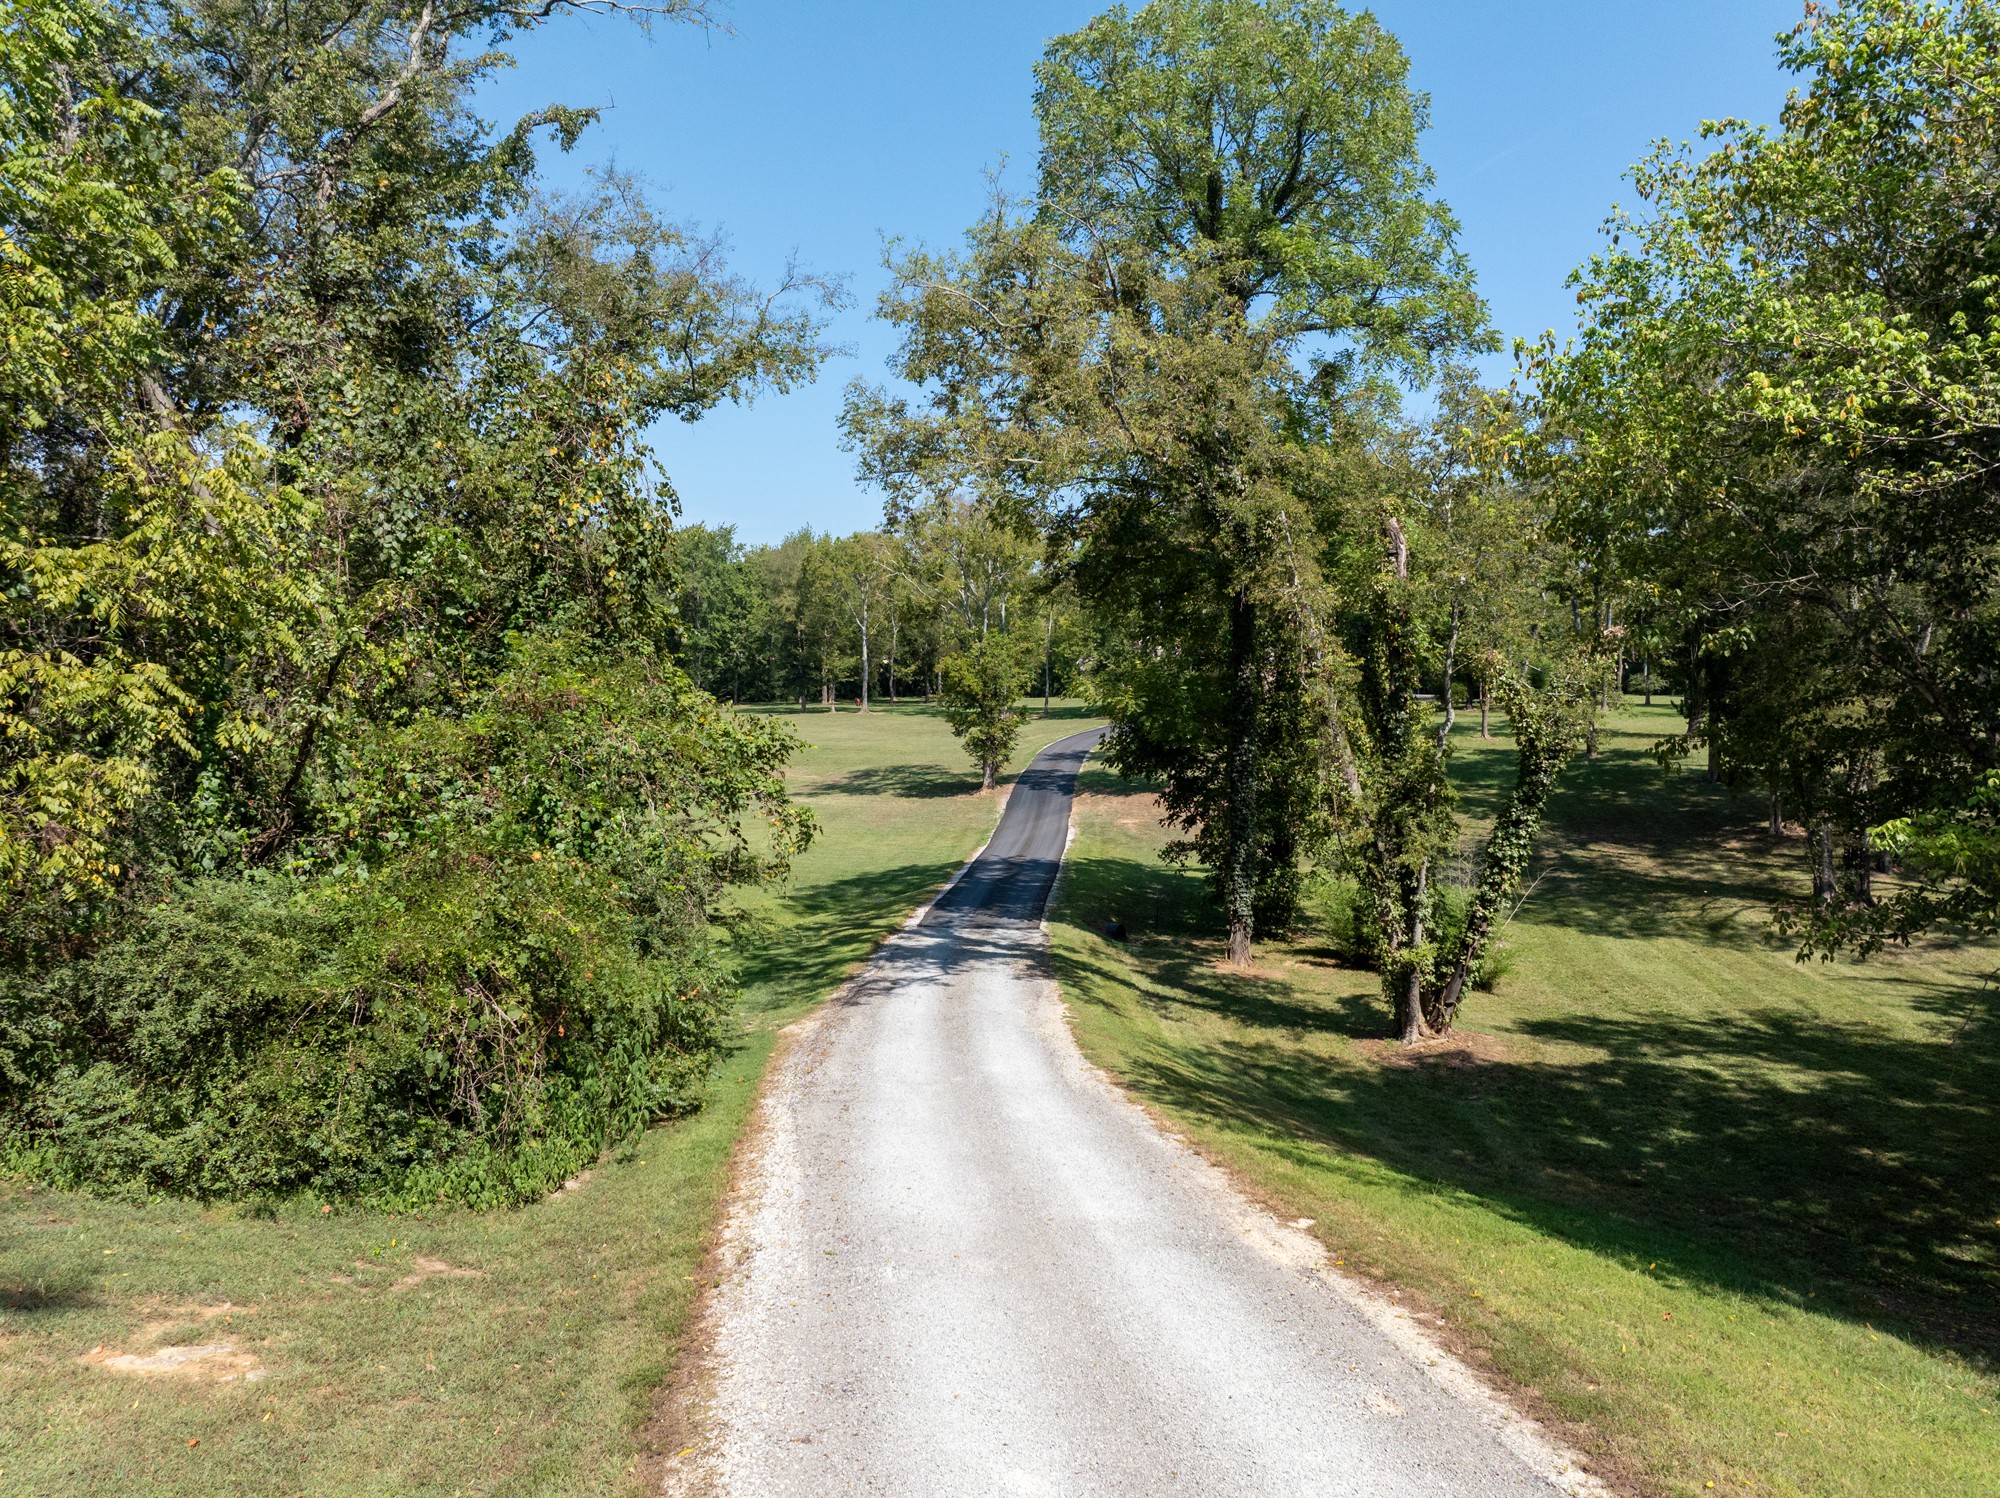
1721 1218
512 1351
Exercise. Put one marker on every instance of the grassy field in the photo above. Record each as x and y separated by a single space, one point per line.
509 1352
1729 1222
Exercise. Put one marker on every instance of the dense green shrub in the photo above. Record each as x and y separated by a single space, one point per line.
248 1039
495 961
500 961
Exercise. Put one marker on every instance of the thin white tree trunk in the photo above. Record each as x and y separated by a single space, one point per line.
864 656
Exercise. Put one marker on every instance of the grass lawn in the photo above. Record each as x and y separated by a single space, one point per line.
1730 1223
509 1352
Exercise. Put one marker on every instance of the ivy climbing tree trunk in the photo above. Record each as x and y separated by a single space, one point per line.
1546 735
1426 969
1240 810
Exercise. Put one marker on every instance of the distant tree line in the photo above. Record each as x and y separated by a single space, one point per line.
825 620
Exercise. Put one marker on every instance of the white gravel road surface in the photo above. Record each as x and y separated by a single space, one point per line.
962 1263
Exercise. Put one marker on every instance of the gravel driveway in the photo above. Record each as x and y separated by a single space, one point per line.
963 1263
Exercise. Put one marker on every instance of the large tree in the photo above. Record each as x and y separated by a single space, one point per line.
1783 414
356 828
1466 584
1232 231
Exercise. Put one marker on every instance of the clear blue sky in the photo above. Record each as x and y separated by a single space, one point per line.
821 125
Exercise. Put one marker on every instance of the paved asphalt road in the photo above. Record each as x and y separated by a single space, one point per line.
963 1264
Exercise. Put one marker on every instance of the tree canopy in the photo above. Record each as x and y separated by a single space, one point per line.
1778 419
327 511
1232 234
368 805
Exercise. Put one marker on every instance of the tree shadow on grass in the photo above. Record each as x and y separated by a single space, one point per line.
1770 1151
28 1295
1765 1149
1165 914
1631 850
827 929
1603 894
1095 779
918 782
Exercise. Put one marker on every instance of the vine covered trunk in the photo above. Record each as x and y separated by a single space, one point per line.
1240 810
1428 961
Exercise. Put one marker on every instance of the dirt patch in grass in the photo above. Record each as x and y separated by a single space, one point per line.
1133 812
422 1269
161 1348
1461 1050
209 1362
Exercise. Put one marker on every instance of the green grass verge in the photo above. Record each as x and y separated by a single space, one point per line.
514 1352
1722 1218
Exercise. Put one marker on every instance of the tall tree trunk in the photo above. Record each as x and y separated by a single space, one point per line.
1410 1026
1698 715
865 666
1485 708
1544 747
1708 725
1048 658
1403 900
1777 814
1646 671
1859 859
1825 885
1450 664
1239 881
1615 682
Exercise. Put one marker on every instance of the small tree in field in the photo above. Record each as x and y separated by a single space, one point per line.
982 683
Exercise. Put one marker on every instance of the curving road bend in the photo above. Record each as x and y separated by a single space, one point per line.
963 1264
